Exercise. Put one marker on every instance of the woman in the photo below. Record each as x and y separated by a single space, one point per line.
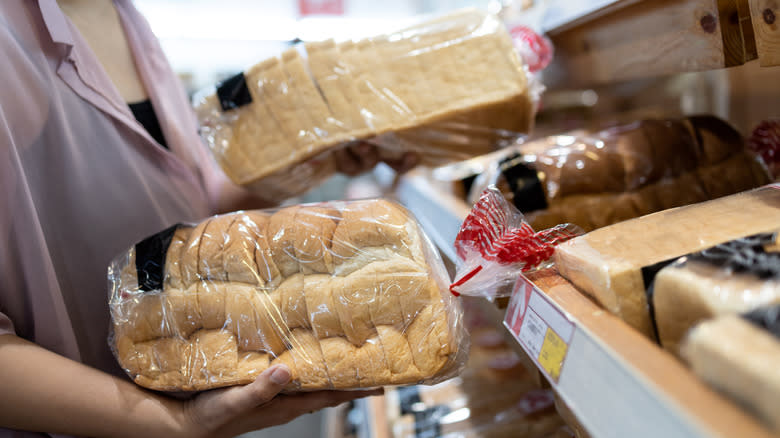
98 149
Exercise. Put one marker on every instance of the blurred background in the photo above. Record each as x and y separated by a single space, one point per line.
207 41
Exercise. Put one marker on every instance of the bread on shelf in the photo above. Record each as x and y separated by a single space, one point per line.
614 264
595 179
731 278
738 355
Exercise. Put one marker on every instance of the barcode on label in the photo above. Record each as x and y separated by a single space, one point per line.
535 329
532 333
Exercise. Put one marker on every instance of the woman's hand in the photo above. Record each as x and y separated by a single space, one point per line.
233 411
45 392
362 157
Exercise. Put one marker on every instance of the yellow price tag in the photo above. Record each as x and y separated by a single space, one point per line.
552 354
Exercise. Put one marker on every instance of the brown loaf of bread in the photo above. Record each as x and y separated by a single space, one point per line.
597 179
347 295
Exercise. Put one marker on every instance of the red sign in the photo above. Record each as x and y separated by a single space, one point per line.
321 7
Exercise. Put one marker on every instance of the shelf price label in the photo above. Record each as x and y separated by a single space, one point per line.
542 330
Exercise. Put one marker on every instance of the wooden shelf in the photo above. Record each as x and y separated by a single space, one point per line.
599 42
616 382
766 28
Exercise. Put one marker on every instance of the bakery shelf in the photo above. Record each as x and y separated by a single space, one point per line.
616 382
599 41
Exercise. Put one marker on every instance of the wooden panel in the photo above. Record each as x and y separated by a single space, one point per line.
649 38
746 26
766 26
733 44
739 44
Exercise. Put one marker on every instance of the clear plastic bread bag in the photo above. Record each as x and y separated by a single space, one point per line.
729 278
595 179
737 355
347 294
449 88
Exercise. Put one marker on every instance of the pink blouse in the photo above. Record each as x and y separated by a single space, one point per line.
80 179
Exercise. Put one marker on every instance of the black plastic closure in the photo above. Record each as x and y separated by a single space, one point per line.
524 183
648 278
150 259
233 92
767 318
748 255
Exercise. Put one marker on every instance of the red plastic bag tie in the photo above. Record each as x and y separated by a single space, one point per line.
765 141
465 278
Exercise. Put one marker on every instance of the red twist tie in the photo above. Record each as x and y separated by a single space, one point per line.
465 278
536 50
765 141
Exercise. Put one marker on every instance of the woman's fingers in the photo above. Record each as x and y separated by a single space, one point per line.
404 164
356 159
213 409
345 162
314 401
285 408
267 385
240 409
367 155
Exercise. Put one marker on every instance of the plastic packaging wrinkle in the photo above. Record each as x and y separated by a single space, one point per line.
346 294
449 89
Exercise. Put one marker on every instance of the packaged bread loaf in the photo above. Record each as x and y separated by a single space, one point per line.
616 264
729 278
346 294
595 179
291 111
738 355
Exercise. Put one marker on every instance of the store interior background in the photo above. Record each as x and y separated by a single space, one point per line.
207 41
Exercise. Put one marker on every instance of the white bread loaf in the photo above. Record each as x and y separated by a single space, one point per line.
347 294
734 277
456 69
608 263
739 357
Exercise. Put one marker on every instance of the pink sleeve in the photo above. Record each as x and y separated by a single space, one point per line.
27 121
6 326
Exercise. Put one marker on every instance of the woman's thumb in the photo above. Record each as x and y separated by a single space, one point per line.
267 385
213 409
